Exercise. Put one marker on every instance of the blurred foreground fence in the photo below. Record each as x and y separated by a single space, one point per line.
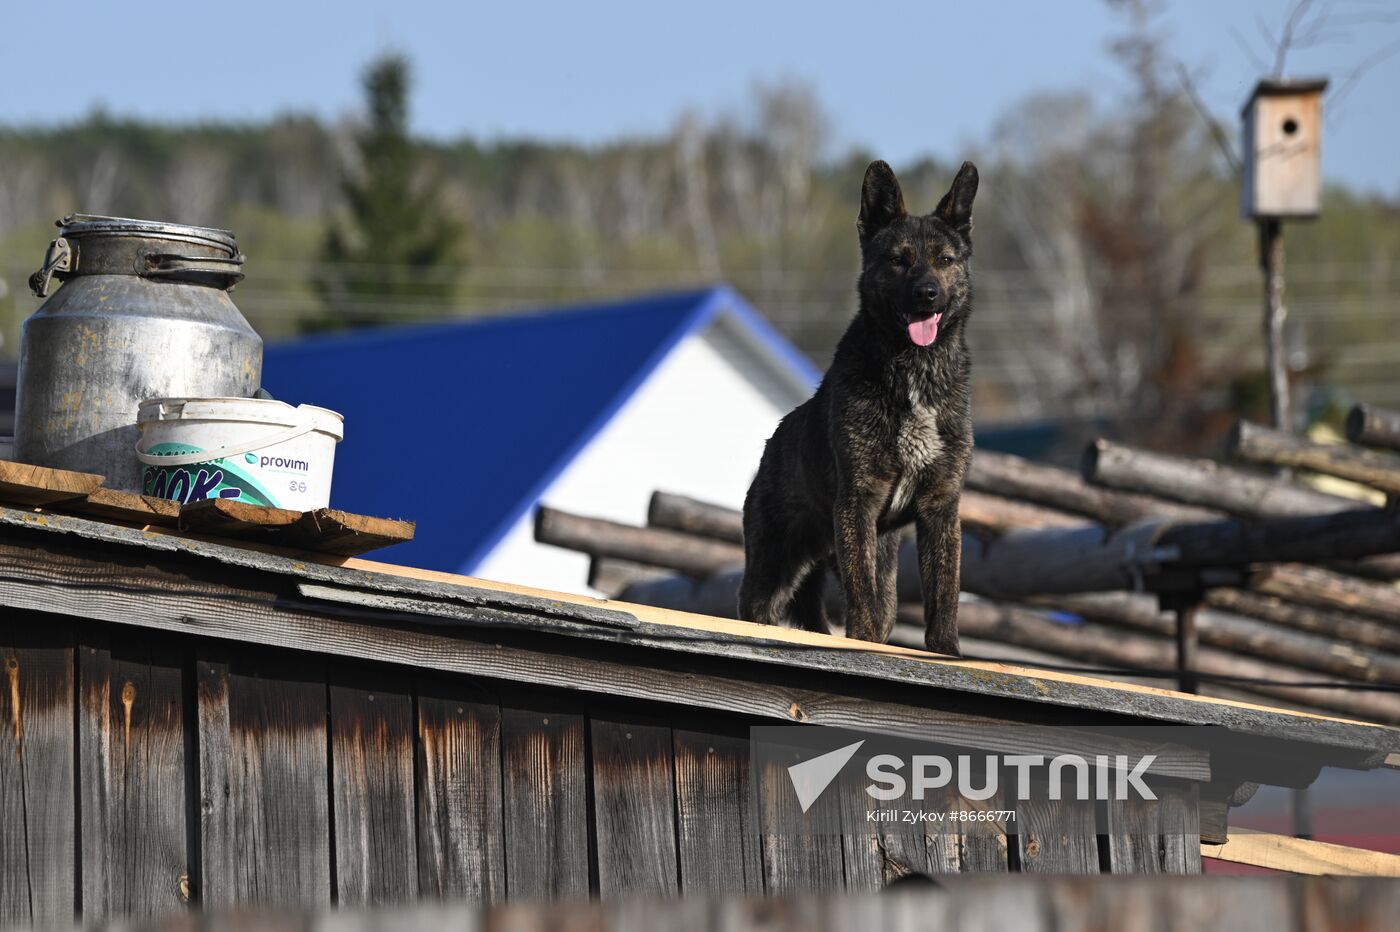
1268 904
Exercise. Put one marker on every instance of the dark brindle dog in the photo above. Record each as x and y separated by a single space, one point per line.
885 440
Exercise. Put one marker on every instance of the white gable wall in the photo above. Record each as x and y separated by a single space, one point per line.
696 426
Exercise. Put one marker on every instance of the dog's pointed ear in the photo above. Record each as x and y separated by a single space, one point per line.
956 207
881 200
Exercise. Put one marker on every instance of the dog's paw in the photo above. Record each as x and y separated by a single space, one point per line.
943 644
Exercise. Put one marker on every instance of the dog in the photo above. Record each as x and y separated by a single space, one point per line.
885 440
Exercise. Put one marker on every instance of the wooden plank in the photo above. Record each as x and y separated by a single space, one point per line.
972 845
324 530
1161 836
461 834
372 786
37 818
264 780
793 860
39 485
1056 836
1301 856
131 764
221 517
544 797
115 505
327 530
717 834
876 854
634 805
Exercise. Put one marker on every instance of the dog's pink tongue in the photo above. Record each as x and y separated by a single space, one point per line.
923 332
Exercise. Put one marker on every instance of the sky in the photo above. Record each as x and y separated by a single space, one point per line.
900 79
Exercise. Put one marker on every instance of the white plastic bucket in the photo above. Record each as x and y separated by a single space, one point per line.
245 449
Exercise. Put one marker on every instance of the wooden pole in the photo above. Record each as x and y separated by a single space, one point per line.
1206 483
1236 632
698 556
1061 489
1313 585
979 511
1275 353
1258 444
682 513
1373 426
1186 644
1325 622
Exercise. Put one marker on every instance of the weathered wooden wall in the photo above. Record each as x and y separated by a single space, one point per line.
142 771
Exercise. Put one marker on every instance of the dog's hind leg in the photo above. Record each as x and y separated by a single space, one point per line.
771 573
808 605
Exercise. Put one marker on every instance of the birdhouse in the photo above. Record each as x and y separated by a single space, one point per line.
1283 149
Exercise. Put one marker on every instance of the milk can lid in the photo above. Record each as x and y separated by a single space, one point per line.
90 224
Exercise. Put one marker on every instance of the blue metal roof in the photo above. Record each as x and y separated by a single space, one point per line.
462 426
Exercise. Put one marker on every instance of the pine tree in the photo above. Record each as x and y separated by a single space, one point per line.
389 256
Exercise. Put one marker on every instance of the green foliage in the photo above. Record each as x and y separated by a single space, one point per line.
395 243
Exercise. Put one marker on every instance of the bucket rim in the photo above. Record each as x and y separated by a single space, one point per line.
100 225
254 410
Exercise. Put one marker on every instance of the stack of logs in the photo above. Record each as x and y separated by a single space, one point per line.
1291 588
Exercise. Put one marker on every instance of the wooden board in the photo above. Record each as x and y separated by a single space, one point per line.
325 530
128 507
38 485
544 798
372 786
1129 692
717 836
971 846
1161 836
263 780
1301 856
634 805
132 789
225 518
793 861
1054 836
38 825
461 835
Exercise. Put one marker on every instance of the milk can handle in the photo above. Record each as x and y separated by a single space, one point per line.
207 456
201 270
59 258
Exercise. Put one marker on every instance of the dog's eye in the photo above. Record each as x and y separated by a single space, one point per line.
946 261
898 261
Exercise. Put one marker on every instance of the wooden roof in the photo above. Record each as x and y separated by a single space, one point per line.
179 582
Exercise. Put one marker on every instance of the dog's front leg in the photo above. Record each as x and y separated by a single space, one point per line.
940 555
857 510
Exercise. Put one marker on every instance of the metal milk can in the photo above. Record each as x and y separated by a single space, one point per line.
143 312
